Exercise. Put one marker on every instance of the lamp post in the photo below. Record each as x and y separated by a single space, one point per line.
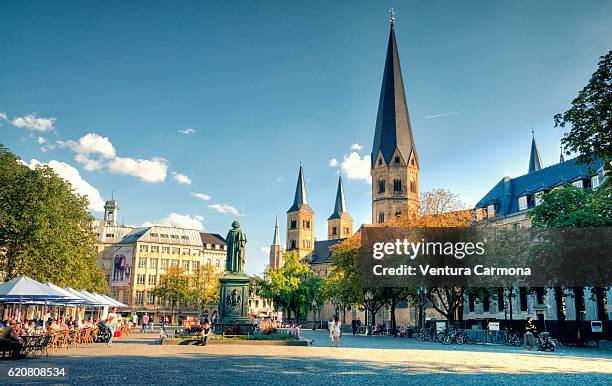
314 308
368 305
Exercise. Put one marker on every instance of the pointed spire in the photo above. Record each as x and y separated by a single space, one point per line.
535 162
393 128
340 206
300 201
276 240
561 158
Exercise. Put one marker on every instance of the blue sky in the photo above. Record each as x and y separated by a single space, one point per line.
267 85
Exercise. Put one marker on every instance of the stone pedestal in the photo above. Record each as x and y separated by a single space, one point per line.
234 301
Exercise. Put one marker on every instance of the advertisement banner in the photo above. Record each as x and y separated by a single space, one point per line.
122 266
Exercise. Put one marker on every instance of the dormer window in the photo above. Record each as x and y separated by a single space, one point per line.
522 202
578 184
491 211
595 182
538 198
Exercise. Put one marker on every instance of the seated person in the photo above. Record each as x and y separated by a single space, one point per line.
205 333
10 338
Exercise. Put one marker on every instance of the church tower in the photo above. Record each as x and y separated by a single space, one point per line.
395 164
276 249
111 211
300 221
340 223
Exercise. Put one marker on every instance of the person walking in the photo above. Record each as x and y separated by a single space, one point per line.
335 330
111 323
145 322
354 326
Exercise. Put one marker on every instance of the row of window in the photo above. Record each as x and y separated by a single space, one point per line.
165 263
305 224
524 202
397 186
168 250
167 236
501 299
346 231
305 244
396 160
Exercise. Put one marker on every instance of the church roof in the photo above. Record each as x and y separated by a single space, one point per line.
393 128
535 162
340 210
322 251
504 195
300 201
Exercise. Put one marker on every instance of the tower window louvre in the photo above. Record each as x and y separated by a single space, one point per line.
397 159
381 186
397 185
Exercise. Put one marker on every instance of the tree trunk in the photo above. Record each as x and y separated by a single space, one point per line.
393 304
510 290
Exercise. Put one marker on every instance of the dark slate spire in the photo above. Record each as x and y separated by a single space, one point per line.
340 207
393 129
535 162
300 201
276 240
561 158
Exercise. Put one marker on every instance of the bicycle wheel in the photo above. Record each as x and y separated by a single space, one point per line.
459 339
447 339
420 337
440 337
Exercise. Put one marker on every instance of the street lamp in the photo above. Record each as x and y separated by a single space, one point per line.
314 313
368 305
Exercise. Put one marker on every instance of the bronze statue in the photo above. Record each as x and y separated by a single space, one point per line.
236 248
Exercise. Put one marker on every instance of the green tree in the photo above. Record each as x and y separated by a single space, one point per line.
573 207
590 117
293 286
337 287
45 230
174 287
204 285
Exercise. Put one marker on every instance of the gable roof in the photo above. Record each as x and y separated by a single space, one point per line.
322 251
212 238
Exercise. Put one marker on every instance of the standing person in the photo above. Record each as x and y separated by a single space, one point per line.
214 319
358 325
256 322
145 322
335 330
111 323
354 326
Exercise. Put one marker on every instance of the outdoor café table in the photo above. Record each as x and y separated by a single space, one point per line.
29 342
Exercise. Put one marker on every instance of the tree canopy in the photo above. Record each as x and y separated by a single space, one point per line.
45 230
590 117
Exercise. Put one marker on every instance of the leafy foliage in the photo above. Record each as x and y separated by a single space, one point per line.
199 288
573 207
293 286
45 229
590 117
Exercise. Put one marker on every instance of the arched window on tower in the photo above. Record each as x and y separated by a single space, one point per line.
381 186
397 185
397 159
413 187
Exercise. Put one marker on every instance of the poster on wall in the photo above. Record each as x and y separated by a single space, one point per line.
122 266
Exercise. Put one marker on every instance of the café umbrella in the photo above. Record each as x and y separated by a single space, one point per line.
26 290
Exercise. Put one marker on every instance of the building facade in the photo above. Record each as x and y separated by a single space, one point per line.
507 204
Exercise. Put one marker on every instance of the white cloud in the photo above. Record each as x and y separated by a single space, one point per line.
32 122
92 143
356 147
41 140
153 170
279 179
88 163
333 162
2 116
224 208
187 131
356 167
201 196
181 178
265 250
180 221
79 185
